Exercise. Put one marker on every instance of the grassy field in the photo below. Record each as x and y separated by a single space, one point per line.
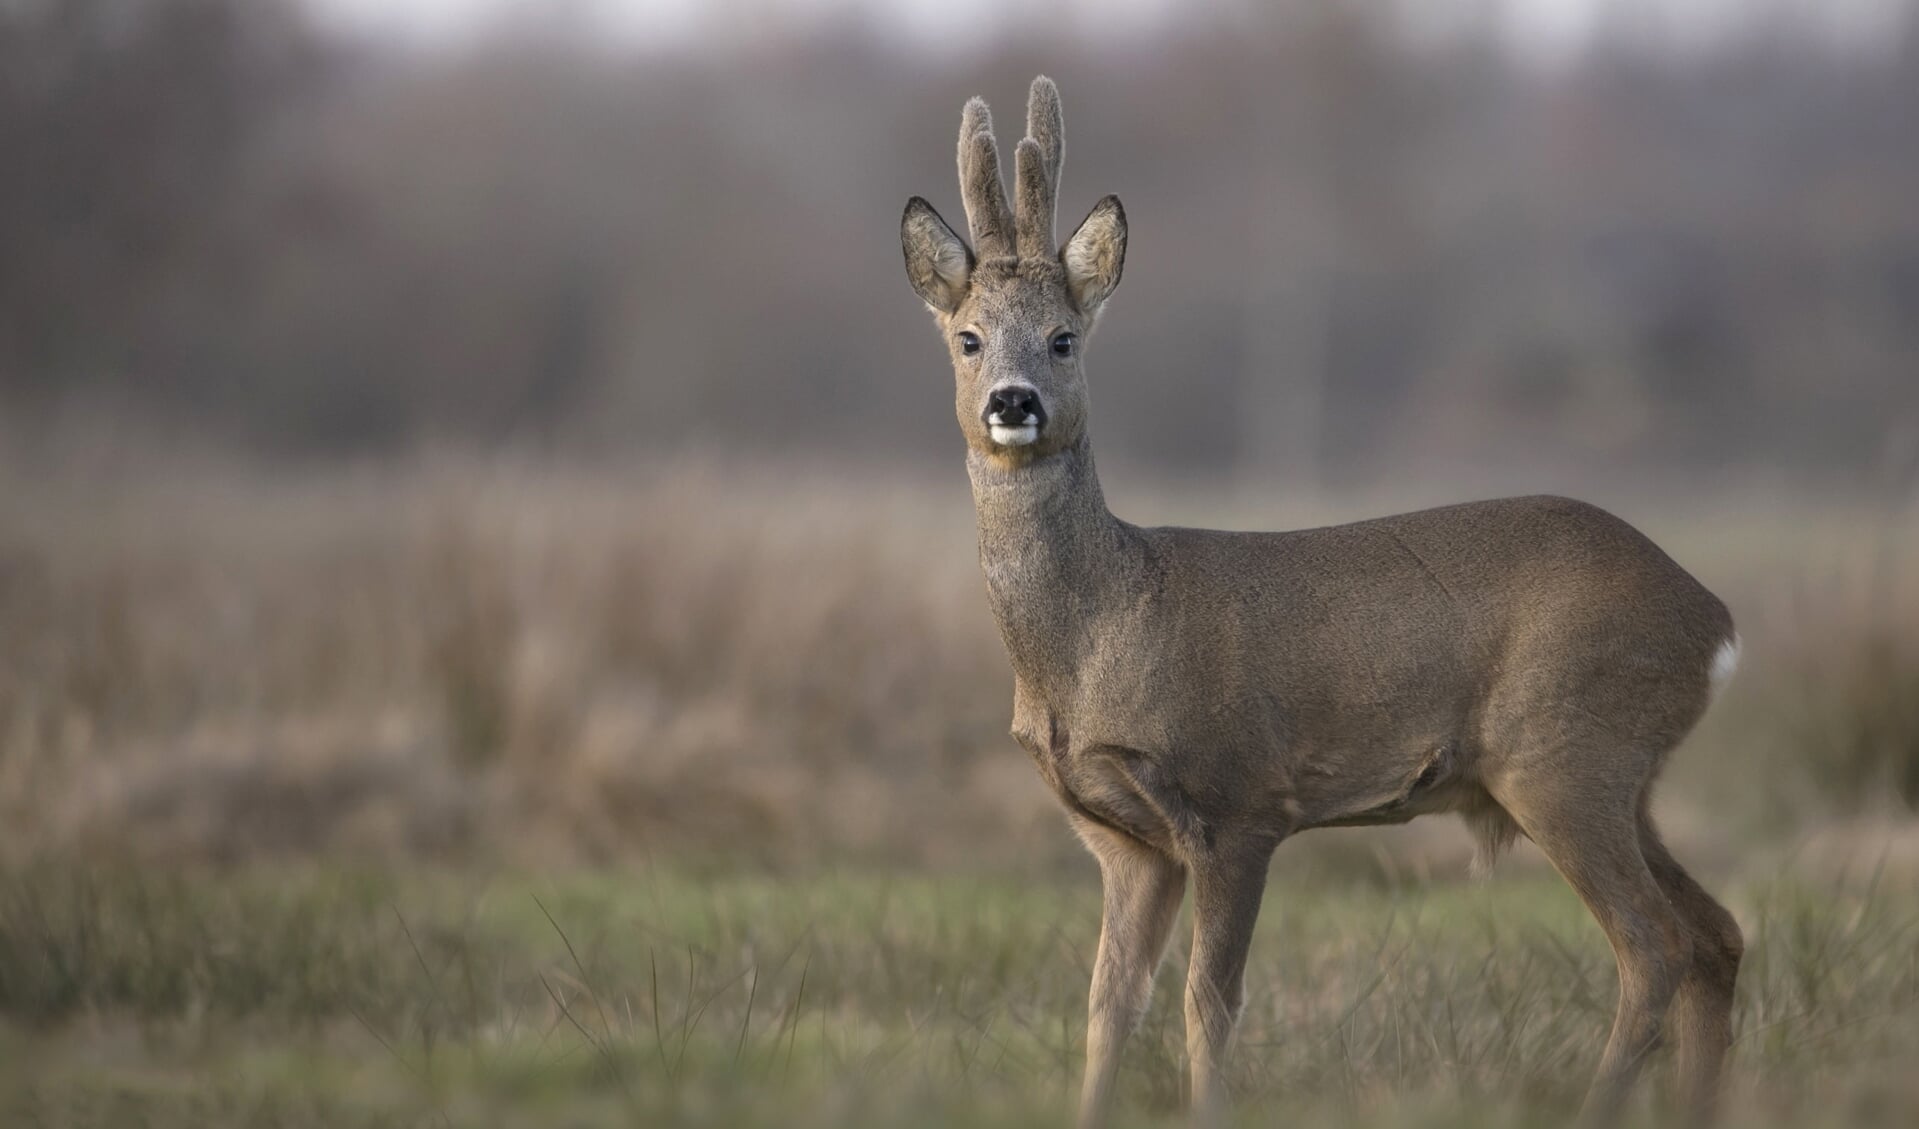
735 997
378 796
539 664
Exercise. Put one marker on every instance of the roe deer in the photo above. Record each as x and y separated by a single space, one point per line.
1194 697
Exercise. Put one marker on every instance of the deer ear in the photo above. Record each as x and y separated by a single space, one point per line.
1095 255
937 261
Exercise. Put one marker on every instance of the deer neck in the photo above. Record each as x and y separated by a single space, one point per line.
1053 556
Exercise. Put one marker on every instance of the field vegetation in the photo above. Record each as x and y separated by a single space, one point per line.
666 996
511 792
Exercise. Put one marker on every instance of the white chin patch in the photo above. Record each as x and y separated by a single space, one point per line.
1724 662
1014 436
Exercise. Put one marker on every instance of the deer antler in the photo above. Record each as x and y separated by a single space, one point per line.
997 229
980 186
1036 166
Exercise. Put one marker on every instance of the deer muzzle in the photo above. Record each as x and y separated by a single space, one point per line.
1014 415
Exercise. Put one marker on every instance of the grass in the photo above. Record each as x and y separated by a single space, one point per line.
280 754
733 996
536 662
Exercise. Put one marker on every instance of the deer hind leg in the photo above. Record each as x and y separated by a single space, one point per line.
1588 827
1141 890
1227 887
1701 1016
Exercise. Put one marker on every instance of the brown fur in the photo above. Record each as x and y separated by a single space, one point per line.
1194 697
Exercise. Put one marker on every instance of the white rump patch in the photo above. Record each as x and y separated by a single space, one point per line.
1013 436
1724 661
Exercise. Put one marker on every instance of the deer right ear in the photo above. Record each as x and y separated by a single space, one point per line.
1095 255
938 262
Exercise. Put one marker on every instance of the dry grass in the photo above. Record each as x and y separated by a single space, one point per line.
582 664
513 659
264 736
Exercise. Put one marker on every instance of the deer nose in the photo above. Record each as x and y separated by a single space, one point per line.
1013 405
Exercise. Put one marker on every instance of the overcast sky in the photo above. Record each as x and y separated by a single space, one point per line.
1546 28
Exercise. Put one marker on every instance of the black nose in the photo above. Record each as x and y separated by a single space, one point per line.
1014 406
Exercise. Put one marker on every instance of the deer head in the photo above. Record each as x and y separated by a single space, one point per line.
1015 309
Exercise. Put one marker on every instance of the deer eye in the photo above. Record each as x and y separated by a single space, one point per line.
1064 344
969 342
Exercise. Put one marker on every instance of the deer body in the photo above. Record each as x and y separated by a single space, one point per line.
1174 684
1193 697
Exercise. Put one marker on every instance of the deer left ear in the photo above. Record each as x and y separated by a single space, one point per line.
938 262
1095 255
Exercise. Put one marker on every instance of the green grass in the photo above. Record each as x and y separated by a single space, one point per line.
298 996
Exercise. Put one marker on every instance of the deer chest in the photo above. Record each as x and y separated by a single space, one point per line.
1115 787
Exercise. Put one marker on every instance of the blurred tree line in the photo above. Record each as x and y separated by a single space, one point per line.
1355 253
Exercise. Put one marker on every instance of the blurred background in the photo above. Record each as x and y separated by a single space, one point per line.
462 429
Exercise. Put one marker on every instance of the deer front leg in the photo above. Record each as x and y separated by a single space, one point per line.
1227 887
1142 891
